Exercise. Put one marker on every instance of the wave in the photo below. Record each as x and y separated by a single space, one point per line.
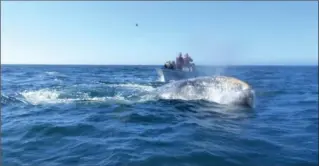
54 73
51 72
5 100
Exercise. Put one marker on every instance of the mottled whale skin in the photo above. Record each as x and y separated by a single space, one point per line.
219 89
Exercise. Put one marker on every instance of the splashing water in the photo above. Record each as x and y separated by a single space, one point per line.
47 96
117 93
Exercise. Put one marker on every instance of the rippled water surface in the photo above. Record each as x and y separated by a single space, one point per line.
115 115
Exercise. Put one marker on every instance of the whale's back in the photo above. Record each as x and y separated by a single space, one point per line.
220 89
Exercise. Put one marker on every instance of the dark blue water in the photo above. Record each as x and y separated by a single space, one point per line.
109 115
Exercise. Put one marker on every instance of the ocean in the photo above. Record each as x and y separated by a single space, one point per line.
54 115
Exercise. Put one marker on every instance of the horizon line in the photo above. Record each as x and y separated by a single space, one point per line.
155 64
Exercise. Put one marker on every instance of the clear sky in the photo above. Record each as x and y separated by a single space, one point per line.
213 33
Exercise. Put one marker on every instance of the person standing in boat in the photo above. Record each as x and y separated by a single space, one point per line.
187 62
179 62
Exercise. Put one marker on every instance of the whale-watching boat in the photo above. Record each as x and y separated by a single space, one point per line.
171 71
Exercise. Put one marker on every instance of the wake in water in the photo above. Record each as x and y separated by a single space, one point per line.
112 93
220 90
47 96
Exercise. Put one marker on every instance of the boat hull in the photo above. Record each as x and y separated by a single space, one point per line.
167 75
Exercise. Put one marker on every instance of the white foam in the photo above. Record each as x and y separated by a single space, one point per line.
55 73
161 78
47 96
131 91
134 86
41 96
51 72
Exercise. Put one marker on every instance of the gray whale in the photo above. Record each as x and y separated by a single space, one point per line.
219 89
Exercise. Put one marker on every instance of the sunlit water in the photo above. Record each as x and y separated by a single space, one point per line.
124 115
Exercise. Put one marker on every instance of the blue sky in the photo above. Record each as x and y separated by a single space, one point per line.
213 33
